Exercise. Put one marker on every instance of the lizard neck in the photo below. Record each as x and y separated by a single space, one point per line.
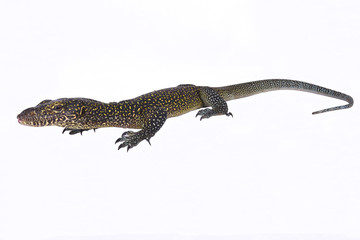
122 114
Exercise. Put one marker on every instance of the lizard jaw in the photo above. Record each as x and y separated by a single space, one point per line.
29 117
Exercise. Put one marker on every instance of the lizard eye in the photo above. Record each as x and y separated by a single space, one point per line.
57 107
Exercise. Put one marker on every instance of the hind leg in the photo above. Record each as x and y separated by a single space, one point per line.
211 98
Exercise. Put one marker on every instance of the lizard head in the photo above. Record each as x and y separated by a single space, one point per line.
64 112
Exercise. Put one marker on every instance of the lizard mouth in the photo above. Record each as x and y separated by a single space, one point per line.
29 117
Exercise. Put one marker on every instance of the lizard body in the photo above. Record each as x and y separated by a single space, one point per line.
149 112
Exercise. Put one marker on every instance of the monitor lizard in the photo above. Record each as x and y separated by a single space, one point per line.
149 112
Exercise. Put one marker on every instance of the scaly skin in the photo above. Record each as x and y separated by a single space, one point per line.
149 112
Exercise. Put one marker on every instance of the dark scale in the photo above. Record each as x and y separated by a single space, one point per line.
150 111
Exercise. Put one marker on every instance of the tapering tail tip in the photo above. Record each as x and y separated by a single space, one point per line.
348 98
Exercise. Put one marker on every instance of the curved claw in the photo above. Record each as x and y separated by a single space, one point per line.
124 145
229 114
129 139
205 113
125 136
75 131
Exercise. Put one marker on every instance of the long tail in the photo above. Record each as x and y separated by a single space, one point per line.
251 88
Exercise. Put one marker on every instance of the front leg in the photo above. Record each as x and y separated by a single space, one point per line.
75 131
154 119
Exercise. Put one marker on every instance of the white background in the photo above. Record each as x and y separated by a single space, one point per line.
274 171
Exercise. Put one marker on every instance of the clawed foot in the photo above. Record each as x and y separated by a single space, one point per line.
75 131
229 114
207 113
130 139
